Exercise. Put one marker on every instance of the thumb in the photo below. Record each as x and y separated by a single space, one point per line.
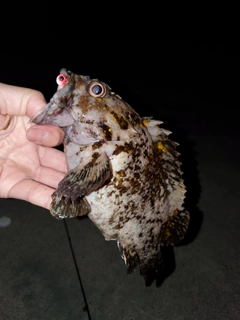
20 101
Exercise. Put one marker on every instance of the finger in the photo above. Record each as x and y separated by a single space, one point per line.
34 192
20 101
52 158
45 135
4 121
48 176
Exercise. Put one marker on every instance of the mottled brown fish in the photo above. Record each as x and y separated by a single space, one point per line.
124 171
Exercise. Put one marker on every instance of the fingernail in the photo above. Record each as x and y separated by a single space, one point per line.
37 135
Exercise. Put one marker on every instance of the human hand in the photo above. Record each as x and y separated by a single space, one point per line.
30 169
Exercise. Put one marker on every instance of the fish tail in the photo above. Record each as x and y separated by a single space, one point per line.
150 268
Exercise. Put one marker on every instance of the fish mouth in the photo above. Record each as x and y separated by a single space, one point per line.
38 117
53 115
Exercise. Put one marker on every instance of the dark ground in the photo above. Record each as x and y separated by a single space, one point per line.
63 270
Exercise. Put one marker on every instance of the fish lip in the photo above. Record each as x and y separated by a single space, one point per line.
49 112
41 112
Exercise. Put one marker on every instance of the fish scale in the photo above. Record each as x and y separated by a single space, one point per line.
123 172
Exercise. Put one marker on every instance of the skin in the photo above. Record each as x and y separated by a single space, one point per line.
30 169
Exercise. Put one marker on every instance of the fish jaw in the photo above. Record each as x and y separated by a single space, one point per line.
54 115
57 112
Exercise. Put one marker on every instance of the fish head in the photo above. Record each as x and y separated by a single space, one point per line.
57 111
88 110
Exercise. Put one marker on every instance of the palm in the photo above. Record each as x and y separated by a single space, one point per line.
28 171
30 168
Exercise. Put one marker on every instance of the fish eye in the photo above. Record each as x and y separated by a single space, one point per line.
97 89
61 79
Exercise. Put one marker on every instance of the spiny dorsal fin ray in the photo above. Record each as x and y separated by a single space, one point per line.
166 149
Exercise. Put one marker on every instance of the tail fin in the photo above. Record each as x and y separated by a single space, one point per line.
150 268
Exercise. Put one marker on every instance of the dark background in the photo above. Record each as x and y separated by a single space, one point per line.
65 270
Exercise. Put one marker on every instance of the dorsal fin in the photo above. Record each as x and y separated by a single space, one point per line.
166 150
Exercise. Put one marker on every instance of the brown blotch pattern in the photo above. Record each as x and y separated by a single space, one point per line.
123 124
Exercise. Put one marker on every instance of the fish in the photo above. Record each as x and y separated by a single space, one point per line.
123 172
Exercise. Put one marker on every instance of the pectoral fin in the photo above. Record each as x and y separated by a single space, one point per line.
64 208
68 199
